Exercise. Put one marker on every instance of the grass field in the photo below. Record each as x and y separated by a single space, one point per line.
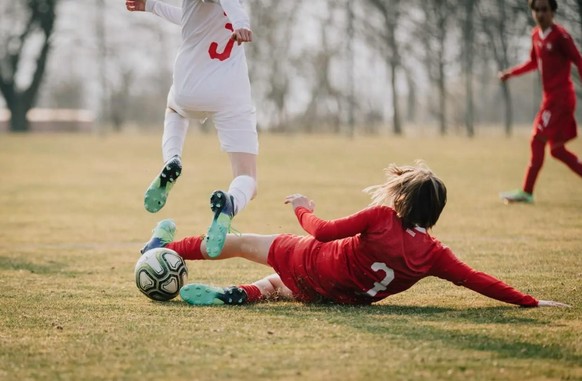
72 222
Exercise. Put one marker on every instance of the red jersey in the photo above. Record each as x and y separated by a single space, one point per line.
365 257
552 55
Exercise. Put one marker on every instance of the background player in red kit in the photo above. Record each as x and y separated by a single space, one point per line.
360 259
552 53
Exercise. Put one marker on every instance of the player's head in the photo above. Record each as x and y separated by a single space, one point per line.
417 195
543 11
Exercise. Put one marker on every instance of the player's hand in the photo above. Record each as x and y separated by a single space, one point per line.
503 75
242 35
551 303
298 200
135 5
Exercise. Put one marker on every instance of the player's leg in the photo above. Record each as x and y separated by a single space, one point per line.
238 136
175 129
249 246
253 247
525 195
560 152
270 287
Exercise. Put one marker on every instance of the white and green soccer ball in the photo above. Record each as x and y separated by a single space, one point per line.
160 273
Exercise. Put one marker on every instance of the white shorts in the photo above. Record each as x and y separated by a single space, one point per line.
236 127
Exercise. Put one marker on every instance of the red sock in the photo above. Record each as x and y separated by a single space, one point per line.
253 292
535 164
188 248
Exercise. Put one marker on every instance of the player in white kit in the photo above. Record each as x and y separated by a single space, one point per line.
210 80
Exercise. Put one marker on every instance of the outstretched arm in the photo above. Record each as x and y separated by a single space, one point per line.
449 267
324 230
166 11
525 67
570 50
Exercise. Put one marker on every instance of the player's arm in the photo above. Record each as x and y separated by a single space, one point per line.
449 267
571 51
525 67
324 230
166 11
239 19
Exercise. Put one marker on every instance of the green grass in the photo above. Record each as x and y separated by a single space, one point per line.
72 222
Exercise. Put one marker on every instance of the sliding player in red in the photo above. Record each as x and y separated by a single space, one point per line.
552 53
360 259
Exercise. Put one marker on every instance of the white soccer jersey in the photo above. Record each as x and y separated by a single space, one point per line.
210 71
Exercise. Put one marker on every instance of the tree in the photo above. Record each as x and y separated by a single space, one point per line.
434 37
468 53
39 22
271 62
390 11
494 17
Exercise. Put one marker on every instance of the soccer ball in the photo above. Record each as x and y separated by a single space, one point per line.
160 273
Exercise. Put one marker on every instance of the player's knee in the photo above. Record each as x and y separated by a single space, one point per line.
557 151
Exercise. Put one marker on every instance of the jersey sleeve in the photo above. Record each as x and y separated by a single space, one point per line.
325 231
450 268
569 48
527 66
166 11
236 14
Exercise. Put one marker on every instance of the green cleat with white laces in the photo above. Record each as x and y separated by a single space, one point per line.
162 234
222 204
157 193
204 295
517 196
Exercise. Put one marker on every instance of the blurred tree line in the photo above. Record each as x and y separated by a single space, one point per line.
341 66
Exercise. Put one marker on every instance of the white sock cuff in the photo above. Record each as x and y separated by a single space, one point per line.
242 188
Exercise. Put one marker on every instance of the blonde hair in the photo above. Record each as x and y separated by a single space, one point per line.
417 195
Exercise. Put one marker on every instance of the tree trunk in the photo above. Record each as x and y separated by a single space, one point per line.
508 108
41 18
469 43
18 119
411 99
396 124
442 97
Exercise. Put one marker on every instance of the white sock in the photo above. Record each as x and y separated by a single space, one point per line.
242 189
175 129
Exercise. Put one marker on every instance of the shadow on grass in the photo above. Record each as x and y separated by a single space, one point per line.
416 323
486 315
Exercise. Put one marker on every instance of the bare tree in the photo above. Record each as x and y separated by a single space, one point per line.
434 36
468 54
270 60
39 18
390 11
502 20
350 35
102 56
325 101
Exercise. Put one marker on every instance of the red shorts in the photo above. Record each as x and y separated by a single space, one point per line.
289 257
555 122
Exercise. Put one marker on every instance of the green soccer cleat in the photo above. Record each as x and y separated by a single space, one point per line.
517 196
222 204
162 234
157 193
203 295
